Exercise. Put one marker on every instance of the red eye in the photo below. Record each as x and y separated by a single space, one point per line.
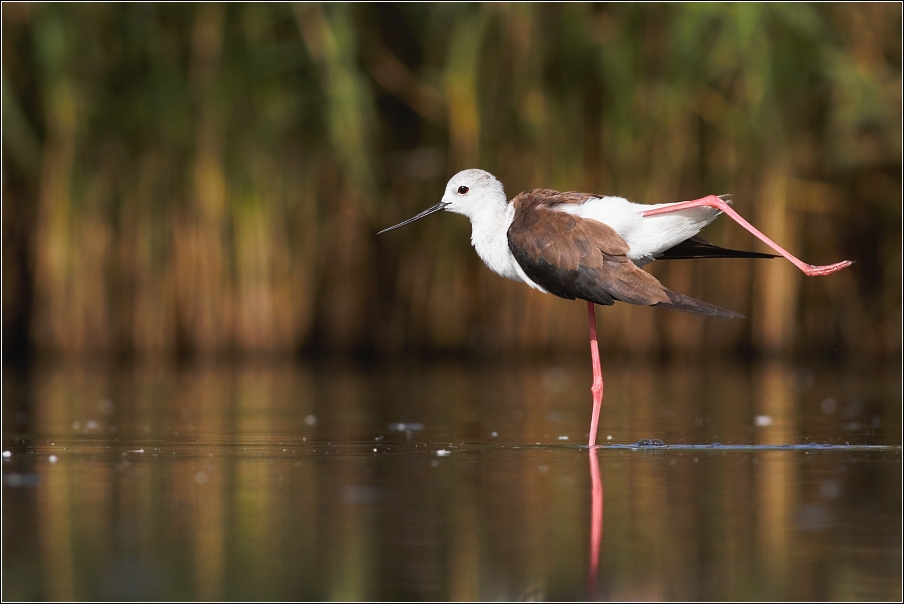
462 190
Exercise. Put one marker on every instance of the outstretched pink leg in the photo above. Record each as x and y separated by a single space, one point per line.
597 388
714 202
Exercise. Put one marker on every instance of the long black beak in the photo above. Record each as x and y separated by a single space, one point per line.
437 208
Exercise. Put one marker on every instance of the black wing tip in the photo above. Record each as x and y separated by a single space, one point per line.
715 255
691 305
697 247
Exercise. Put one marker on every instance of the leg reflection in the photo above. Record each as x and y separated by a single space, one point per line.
596 522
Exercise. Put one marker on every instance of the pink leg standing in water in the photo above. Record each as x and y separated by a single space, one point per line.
720 204
597 388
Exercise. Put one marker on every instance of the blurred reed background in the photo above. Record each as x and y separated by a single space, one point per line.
206 180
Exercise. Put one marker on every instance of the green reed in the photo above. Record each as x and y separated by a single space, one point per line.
208 179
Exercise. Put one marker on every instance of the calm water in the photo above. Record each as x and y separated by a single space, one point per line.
451 481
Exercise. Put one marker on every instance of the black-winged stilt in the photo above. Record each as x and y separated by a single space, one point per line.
578 245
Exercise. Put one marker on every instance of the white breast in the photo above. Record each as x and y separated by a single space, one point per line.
647 237
489 236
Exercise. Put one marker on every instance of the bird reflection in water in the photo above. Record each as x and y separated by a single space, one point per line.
596 523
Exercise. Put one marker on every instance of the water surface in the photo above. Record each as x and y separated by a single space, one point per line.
451 481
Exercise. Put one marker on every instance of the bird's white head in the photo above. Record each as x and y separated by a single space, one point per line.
475 193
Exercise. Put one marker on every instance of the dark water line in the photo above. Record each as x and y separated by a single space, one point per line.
42 445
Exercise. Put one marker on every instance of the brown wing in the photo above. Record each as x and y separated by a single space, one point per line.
573 257
576 258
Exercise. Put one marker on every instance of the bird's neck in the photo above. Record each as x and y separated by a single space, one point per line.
489 236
